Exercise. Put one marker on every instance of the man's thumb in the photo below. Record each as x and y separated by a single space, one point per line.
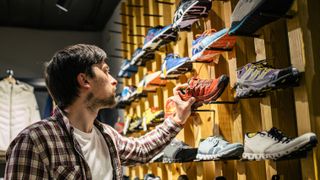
192 100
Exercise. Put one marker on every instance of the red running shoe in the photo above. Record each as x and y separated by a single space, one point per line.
204 90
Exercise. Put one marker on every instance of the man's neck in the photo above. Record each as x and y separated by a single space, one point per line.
81 117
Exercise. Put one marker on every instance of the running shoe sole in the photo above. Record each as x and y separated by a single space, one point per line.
232 153
256 18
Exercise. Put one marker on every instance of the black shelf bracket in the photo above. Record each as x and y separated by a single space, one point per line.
164 2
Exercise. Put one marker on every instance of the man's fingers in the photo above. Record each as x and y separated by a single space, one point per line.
178 87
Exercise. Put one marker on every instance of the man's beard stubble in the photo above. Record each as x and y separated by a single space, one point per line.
94 103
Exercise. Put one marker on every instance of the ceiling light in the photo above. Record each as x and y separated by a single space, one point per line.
61 4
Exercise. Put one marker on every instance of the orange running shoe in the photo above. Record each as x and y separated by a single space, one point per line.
204 91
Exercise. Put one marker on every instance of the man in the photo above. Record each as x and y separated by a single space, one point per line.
72 144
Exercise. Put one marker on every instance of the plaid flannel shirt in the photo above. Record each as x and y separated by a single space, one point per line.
48 149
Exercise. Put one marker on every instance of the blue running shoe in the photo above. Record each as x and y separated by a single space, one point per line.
249 16
172 63
215 148
127 69
124 74
204 41
140 57
158 36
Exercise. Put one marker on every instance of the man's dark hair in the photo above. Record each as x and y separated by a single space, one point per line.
64 67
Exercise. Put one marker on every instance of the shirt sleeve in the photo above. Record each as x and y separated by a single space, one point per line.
23 160
144 148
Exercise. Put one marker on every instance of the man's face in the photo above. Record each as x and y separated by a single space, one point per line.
103 88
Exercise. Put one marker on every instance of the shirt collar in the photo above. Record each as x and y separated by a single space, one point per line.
59 115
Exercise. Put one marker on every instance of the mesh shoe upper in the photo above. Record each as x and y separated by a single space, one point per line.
189 11
152 32
205 90
260 76
204 41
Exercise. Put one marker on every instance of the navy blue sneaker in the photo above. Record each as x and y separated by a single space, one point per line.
140 57
127 69
249 16
173 63
158 36
189 12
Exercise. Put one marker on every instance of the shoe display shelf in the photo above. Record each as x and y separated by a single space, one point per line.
285 42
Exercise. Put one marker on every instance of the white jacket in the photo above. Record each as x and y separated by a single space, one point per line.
18 109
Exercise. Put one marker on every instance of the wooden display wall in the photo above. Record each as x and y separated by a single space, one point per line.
294 41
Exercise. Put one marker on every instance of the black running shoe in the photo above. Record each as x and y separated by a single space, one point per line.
249 16
140 57
158 36
190 11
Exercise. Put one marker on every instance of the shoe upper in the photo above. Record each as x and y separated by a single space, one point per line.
190 11
285 142
152 32
244 8
126 66
258 142
172 62
171 150
205 40
215 145
203 89
127 92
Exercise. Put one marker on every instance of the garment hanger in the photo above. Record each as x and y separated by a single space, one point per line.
10 77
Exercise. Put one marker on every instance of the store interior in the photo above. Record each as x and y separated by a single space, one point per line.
254 71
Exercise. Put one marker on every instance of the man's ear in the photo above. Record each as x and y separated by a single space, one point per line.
83 81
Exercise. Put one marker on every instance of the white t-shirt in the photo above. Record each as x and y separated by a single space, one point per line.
96 153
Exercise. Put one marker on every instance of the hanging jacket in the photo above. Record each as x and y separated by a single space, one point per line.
18 109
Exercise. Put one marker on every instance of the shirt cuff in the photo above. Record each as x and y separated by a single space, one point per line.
173 125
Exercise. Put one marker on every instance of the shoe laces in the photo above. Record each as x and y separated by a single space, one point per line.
171 55
278 135
206 33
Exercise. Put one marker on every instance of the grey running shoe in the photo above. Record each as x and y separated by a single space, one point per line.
214 148
255 79
178 151
250 15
